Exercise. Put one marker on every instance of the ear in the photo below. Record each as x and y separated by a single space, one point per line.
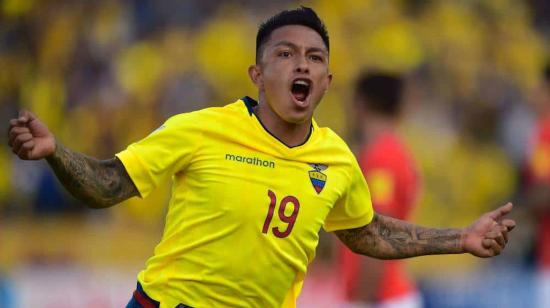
255 74
328 82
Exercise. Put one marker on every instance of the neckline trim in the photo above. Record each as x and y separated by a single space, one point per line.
250 103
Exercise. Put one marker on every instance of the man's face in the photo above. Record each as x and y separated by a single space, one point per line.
292 73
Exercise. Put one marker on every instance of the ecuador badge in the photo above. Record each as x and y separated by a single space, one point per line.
317 177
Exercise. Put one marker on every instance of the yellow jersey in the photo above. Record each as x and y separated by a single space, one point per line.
245 212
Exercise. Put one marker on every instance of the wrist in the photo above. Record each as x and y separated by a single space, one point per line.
463 240
55 148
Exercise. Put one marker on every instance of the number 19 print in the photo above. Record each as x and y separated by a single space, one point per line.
288 219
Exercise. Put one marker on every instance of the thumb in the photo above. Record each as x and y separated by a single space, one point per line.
501 211
25 116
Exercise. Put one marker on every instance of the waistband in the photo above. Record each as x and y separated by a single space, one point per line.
143 299
146 302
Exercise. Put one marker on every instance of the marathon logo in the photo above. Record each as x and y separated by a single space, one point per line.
250 160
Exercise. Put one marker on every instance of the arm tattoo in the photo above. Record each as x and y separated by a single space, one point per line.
97 183
390 238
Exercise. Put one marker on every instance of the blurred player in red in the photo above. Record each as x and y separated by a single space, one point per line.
391 173
538 186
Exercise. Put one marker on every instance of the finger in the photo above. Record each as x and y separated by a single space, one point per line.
25 116
22 153
496 249
15 149
497 236
16 131
13 122
490 243
502 238
26 149
501 211
20 139
504 232
20 130
16 123
487 242
508 223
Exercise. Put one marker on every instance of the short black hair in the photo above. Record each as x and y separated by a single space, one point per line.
303 16
380 92
547 73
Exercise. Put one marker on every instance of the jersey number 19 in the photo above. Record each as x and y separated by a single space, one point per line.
288 219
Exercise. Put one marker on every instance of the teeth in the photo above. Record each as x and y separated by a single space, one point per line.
301 82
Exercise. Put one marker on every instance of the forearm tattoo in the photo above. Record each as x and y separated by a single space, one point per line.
97 183
390 238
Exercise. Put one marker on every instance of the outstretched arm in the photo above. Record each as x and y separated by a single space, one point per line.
97 183
390 238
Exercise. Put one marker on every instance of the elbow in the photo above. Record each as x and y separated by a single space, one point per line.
356 249
369 250
97 204
370 253
366 252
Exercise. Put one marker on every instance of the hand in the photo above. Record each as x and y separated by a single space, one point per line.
488 236
29 138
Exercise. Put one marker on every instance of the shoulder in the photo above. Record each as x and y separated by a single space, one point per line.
333 142
334 152
207 115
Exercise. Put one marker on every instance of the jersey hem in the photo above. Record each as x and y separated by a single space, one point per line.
132 164
356 223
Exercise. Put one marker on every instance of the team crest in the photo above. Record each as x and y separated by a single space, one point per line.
317 177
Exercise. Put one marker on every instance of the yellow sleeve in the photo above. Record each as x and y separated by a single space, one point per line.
163 153
354 208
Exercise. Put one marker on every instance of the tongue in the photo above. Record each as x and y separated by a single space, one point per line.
299 92
299 95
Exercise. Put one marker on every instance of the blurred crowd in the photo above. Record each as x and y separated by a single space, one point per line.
105 73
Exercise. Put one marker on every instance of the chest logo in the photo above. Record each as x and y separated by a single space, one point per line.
317 177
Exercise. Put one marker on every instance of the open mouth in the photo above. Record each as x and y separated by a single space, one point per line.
300 89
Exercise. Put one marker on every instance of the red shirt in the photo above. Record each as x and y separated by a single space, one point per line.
393 181
538 168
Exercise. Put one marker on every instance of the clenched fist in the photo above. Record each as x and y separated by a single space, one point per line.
29 138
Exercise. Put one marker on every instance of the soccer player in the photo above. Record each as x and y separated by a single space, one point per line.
253 183
393 181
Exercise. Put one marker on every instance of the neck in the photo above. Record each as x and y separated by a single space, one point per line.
291 134
375 126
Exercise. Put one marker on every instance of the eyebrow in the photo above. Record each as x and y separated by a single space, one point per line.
294 46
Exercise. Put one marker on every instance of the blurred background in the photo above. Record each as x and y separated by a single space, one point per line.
103 74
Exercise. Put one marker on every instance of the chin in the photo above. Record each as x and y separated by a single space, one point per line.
298 117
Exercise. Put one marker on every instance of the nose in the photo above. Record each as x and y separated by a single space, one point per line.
302 65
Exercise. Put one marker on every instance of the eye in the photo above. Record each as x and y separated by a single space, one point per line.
284 54
316 58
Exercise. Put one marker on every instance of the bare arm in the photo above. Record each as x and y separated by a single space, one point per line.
98 183
390 238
